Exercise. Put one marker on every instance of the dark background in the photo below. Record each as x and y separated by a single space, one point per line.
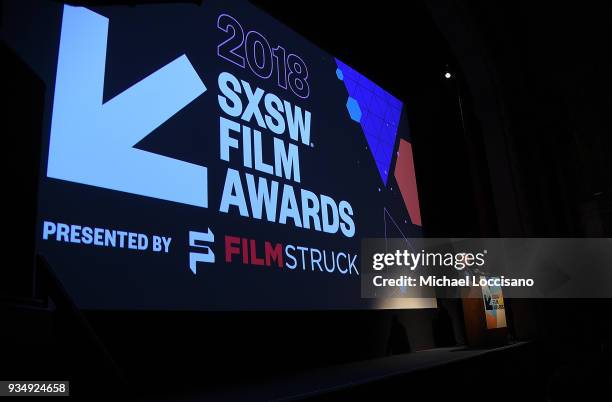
533 160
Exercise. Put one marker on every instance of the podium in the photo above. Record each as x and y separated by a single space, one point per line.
484 316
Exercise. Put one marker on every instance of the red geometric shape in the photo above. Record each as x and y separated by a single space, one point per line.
406 180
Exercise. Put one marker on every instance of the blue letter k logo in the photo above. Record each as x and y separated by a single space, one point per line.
92 143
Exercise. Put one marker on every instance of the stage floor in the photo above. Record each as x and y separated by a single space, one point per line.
330 379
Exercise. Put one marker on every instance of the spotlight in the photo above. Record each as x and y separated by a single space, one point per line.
447 75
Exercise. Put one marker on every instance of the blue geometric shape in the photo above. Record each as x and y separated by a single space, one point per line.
379 115
339 74
353 108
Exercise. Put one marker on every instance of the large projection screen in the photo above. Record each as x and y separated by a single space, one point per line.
206 157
